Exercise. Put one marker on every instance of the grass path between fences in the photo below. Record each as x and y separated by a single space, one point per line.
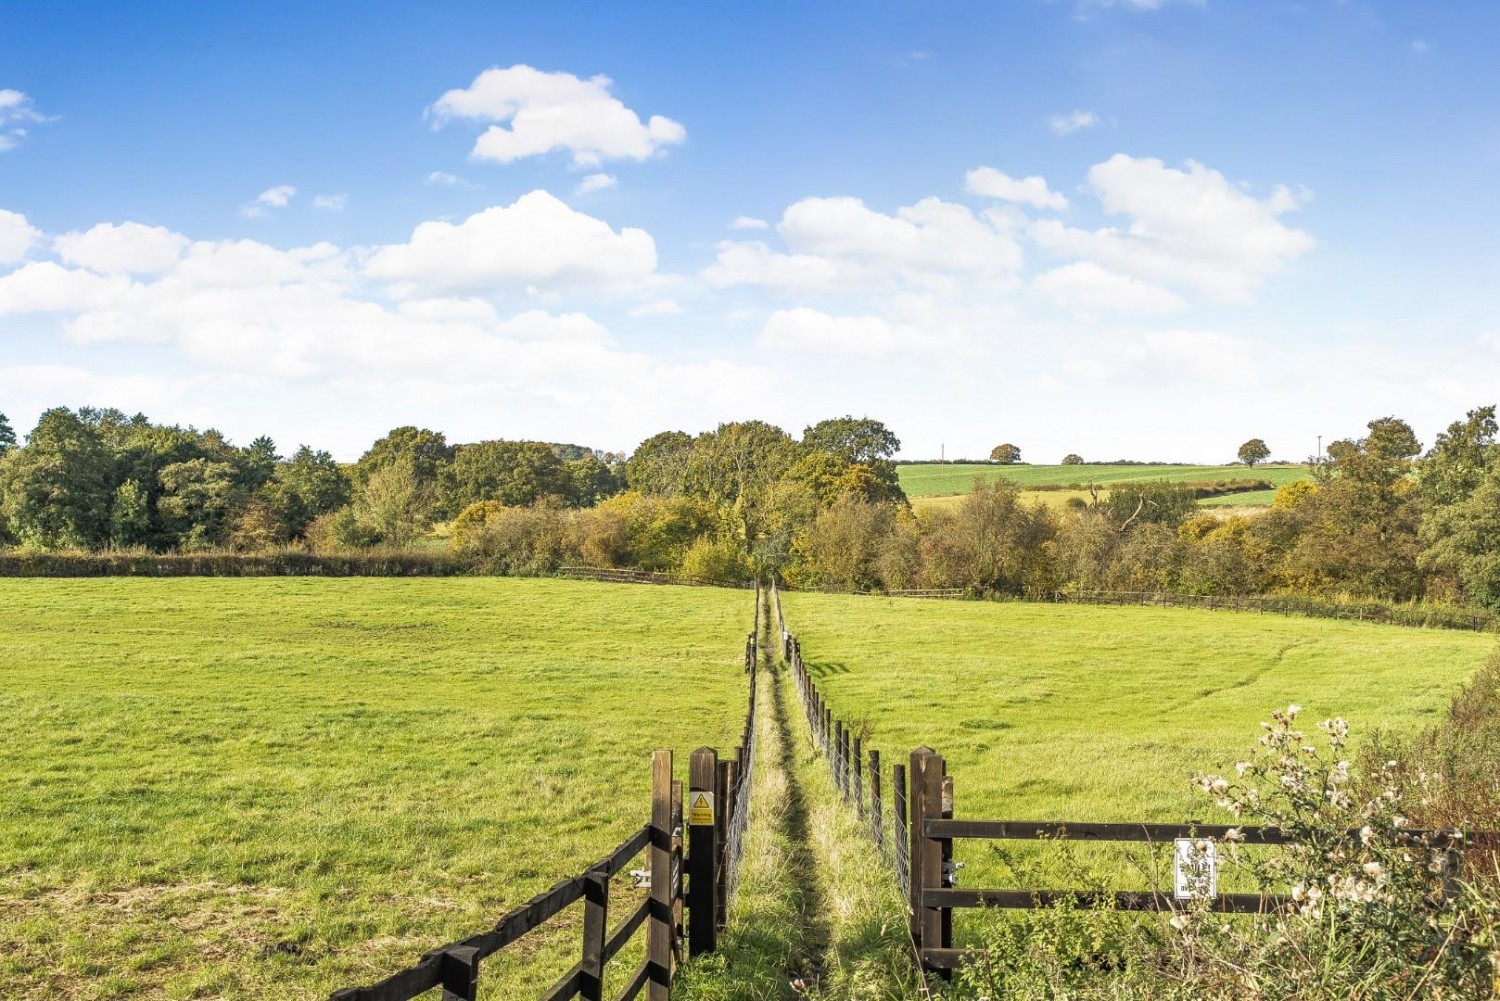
818 915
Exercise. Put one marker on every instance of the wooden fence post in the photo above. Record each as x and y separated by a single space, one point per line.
877 802
827 729
595 927
461 973
703 852
859 777
660 929
921 798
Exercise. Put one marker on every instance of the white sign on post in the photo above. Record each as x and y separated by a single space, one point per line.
1195 870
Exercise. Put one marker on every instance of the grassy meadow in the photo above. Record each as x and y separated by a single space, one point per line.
1062 712
274 787
944 479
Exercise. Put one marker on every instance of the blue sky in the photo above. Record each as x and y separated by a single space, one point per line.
1140 228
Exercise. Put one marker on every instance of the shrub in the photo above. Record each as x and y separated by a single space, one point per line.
716 559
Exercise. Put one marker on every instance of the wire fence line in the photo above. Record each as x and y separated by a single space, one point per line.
877 797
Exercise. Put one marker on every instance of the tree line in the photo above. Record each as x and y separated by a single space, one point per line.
1379 517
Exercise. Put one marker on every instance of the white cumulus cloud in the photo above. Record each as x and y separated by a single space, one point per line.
555 111
536 240
127 248
1085 287
1189 228
1033 191
842 244
16 236
657 307
805 329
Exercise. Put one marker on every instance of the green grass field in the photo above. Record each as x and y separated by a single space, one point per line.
941 479
275 787
1060 712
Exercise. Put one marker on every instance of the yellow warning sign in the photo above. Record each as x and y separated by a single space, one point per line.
700 808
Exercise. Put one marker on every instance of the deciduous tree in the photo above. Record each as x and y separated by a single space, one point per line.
1253 451
1007 454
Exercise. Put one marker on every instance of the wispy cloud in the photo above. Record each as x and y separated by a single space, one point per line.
1062 125
17 114
331 203
271 198
443 179
596 182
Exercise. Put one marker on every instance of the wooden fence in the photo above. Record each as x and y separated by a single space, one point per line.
910 818
625 575
677 911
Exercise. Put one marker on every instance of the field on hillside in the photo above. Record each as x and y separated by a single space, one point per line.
275 787
935 480
1061 712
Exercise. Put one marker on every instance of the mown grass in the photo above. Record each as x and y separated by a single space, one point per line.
1104 714
275 787
939 479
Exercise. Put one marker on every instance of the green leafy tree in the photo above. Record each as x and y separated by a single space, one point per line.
130 516
7 436
735 468
1006 454
55 492
1153 502
394 502
1072 459
199 500
591 479
426 452
860 441
303 488
990 542
1460 459
257 462
515 473
856 439
1253 451
1359 528
659 464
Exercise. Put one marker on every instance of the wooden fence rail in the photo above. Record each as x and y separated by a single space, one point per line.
714 841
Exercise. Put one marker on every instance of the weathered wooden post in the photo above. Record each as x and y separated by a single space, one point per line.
703 852
660 933
595 928
926 853
827 729
877 802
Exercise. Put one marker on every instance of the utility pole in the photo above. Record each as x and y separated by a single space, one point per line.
1320 450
